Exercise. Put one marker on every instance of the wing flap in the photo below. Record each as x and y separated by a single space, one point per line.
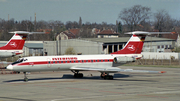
99 69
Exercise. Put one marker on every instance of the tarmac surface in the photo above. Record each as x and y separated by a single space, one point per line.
61 86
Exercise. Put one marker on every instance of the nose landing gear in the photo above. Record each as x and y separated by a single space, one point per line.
25 77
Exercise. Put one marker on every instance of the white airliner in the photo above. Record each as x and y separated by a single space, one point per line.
15 45
75 63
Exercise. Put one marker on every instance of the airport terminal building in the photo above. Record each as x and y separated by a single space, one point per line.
104 45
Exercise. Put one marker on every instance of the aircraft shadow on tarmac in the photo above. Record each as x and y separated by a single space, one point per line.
69 76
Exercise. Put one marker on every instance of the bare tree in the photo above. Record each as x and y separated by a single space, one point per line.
70 24
163 21
134 16
70 51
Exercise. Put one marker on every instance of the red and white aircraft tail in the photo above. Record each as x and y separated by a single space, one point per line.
133 46
15 45
16 42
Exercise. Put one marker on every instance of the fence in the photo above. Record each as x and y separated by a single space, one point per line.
160 56
168 62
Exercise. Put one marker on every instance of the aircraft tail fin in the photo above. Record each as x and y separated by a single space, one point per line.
133 46
135 43
17 41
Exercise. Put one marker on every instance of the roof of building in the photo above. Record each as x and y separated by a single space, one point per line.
95 30
74 31
69 34
34 45
47 31
108 32
171 36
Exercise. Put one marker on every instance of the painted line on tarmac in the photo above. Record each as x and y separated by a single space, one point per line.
78 88
152 96
45 86
167 92
89 97
111 92
40 81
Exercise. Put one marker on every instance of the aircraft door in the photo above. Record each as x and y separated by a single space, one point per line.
48 62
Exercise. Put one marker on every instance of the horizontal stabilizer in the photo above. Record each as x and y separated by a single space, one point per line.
147 33
25 32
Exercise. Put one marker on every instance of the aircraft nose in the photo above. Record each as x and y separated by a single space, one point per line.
9 67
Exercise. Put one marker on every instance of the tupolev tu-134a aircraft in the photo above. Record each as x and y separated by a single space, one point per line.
15 45
76 63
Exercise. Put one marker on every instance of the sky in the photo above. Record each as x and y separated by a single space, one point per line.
89 10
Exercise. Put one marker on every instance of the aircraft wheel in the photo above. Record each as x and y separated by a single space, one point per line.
26 79
108 77
79 75
101 76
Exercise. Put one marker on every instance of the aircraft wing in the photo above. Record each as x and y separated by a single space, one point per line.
111 69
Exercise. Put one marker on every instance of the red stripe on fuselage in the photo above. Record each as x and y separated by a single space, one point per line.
64 62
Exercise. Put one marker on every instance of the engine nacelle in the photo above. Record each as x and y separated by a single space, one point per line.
124 59
7 54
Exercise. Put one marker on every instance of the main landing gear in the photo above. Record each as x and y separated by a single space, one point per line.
106 76
25 77
77 74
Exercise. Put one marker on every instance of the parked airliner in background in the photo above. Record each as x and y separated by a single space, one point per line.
75 63
15 45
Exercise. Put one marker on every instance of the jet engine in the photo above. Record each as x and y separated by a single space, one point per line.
124 59
7 54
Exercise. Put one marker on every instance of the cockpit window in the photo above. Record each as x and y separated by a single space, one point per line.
19 61
25 59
